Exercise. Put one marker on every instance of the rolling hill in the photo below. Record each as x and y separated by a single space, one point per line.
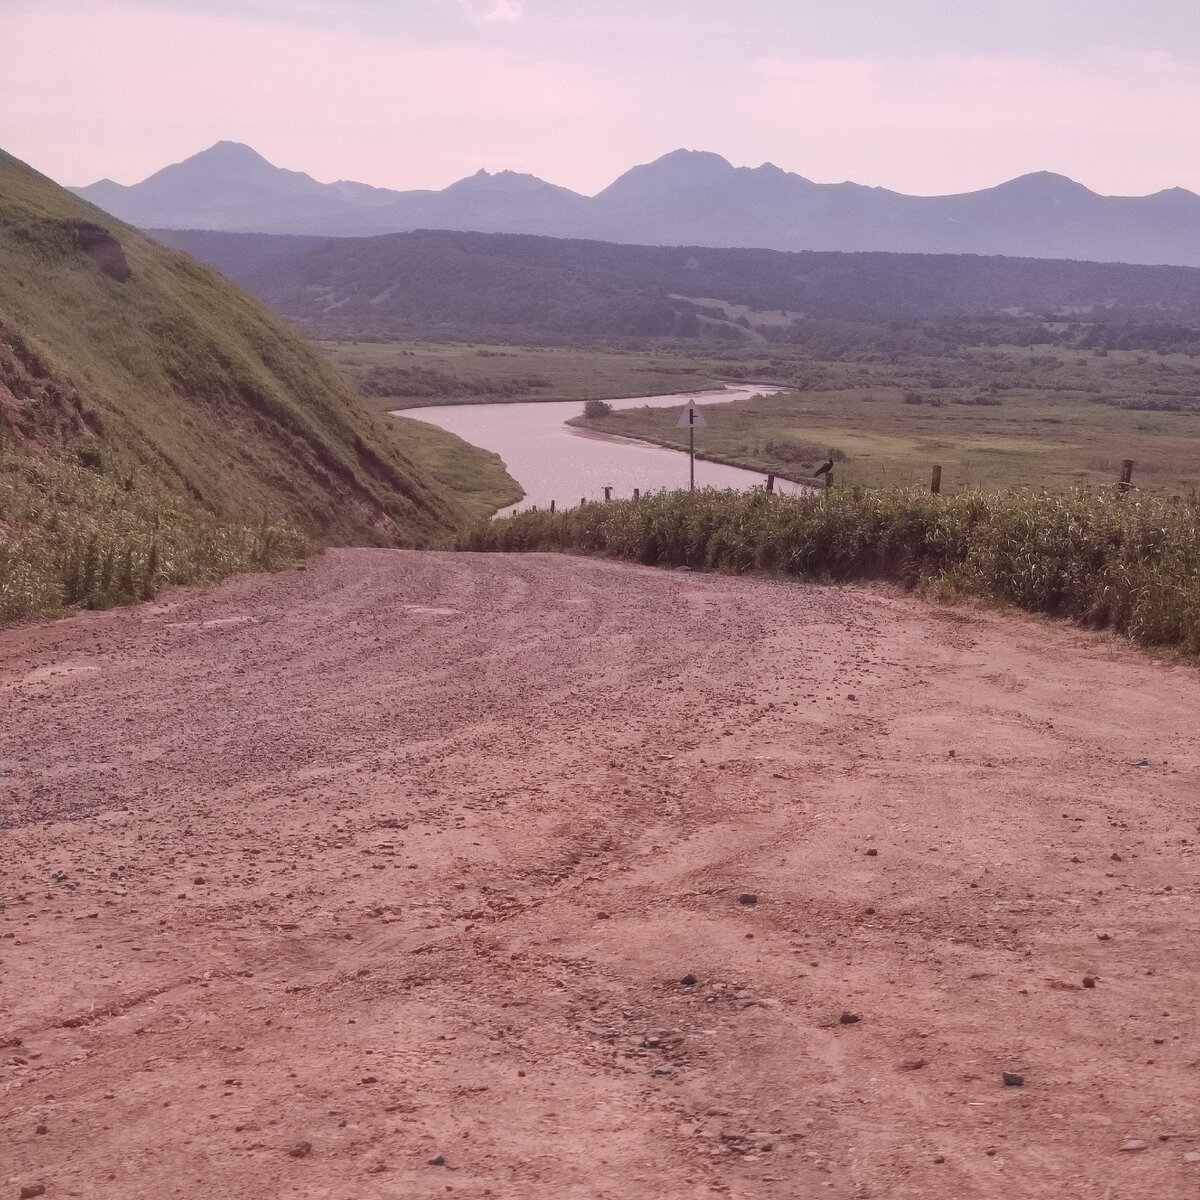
686 197
437 284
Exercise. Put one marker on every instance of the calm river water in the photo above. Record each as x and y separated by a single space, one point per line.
553 461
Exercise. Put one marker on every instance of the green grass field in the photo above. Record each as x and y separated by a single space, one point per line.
991 417
1004 417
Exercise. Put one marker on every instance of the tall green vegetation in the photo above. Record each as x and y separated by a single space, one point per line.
70 535
1130 563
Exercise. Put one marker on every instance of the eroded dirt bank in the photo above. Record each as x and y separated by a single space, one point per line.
380 879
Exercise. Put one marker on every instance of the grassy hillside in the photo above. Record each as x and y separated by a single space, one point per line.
145 401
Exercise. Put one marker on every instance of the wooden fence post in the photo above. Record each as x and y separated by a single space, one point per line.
770 483
582 501
828 479
608 493
637 493
552 506
935 484
1126 475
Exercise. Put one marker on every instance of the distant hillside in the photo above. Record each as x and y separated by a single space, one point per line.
136 381
438 284
684 198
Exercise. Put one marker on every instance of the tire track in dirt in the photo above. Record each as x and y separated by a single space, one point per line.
403 856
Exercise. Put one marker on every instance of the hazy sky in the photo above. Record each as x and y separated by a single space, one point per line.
923 96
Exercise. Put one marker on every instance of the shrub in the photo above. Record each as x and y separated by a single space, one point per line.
592 409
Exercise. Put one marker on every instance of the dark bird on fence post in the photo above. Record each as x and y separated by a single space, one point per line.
825 467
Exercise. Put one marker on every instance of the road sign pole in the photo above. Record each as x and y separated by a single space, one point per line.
691 418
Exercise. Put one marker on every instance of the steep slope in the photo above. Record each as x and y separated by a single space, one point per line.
687 197
152 370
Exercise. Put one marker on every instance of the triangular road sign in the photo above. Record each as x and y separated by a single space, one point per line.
691 418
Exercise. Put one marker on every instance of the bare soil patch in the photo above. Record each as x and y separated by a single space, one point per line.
411 875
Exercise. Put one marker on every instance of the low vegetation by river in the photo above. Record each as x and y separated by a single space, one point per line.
1130 563
396 375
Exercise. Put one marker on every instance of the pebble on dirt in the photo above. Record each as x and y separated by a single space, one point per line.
1012 1079
748 898
32 1189
1134 1147
300 1150
438 1160
872 853
911 1064
689 980
1089 981
849 1018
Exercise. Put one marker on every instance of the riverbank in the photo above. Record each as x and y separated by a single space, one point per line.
553 462
394 376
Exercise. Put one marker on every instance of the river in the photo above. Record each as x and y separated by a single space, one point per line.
555 461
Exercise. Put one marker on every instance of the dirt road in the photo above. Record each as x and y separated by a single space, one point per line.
413 875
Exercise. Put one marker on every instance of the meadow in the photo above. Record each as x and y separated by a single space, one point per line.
994 418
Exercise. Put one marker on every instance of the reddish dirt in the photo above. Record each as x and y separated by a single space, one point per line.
381 879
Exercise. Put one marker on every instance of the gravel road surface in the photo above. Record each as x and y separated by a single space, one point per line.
415 875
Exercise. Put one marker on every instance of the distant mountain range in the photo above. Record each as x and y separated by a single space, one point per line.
684 198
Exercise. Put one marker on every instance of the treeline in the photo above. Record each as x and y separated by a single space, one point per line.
434 384
498 287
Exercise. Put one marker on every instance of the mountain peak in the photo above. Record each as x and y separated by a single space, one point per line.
678 169
1045 183
222 157
226 151
499 181
693 158
223 161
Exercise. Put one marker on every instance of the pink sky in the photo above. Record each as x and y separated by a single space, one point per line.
418 93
